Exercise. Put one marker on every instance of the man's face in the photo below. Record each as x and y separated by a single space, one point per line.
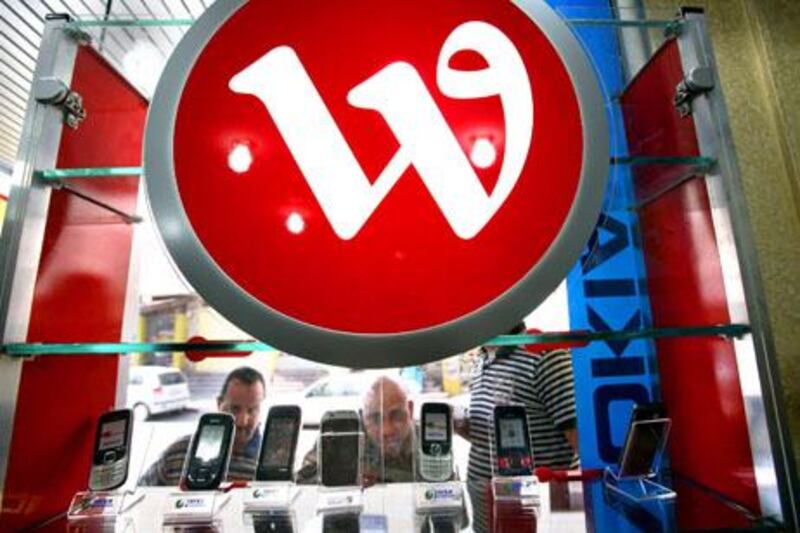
388 418
243 401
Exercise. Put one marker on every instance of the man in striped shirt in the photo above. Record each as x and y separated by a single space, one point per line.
544 384
241 396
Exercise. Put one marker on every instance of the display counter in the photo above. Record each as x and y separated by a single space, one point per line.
562 509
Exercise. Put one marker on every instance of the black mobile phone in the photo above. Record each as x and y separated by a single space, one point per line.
206 464
512 441
340 449
643 443
276 459
340 421
648 411
436 458
112 450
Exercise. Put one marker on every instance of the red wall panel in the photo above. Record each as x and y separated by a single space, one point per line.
79 296
699 377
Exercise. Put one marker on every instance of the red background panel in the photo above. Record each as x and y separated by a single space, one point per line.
699 377
79 297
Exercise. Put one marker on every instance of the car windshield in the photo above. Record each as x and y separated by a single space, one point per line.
171 378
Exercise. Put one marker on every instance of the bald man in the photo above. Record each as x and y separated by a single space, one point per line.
389 444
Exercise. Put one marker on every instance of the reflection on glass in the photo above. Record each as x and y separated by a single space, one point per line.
295 223
483 154
143 64
240 159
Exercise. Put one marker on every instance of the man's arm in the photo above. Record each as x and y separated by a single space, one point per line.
308 471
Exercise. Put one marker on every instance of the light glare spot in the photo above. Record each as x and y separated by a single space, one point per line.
483 154
295 223
240 159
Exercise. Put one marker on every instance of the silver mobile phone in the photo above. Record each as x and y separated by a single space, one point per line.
436 444
112 450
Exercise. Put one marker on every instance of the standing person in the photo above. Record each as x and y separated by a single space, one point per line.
242 394
544 384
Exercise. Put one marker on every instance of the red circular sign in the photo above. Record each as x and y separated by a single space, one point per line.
376 169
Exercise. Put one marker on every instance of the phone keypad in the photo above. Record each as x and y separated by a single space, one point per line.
107 476
435 468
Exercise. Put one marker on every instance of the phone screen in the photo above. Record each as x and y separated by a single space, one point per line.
210 443
278 445
112 439
643 444
340 459
512 433
112 434
435 427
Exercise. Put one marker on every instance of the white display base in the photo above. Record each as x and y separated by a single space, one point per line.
525 489
96 508
267 496
199 507
431 497
637 489
342 499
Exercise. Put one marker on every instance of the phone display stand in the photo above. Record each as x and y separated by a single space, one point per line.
339 499
97 510
193 507
441 496
438 505
638 489
268 496
344 498
523 489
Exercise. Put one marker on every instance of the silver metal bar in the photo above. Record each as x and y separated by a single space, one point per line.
24 224
130 219
773 459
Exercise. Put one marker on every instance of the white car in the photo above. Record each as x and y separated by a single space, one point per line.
156 389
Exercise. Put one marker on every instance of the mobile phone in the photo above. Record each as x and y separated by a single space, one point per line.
644 442
206 464
648 411
340 449
340 421
436 444
112 447
276 459
512 441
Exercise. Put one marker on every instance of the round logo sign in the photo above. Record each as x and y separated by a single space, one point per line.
376 184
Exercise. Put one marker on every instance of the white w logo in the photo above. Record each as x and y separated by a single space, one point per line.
398 93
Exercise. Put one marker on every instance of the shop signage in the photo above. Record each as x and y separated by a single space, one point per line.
376 184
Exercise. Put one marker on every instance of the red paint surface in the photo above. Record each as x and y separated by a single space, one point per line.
79 297
699 377
406 269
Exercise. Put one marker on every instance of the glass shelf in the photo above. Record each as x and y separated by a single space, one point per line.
105 172
544 339
144 22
